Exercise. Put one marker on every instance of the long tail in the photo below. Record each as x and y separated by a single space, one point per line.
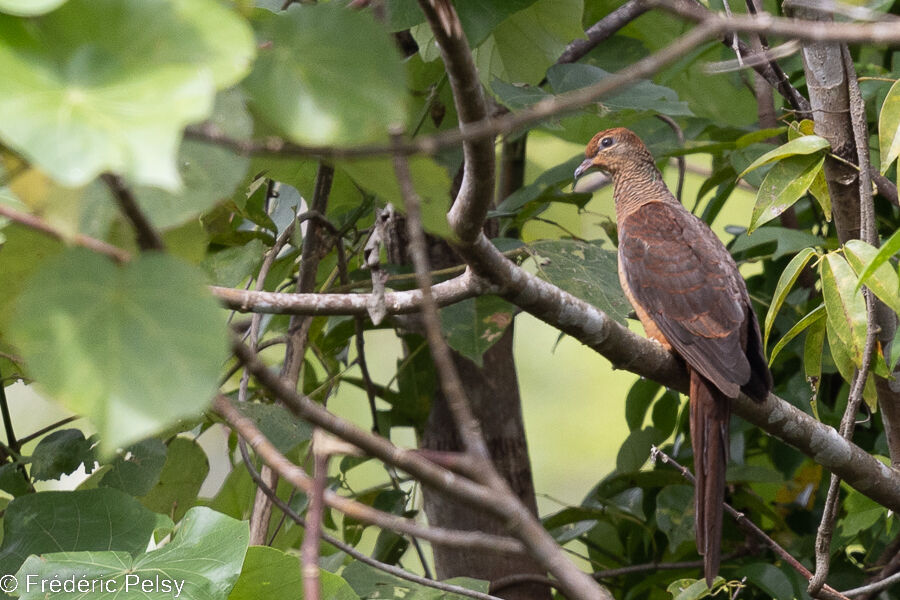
710 411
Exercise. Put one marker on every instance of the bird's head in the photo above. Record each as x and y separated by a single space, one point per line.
614 150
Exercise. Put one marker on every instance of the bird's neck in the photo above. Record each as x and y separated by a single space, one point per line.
637 185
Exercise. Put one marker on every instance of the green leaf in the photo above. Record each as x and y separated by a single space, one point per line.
416 383
137 470
890 247
100 519
429 180
209 173
21 254
769 579
638 400
311 88
202 562
844 362
585 270
844 305
665 412
691 589
784 184
819 189
882 280
808 144
271 573
14 481
281 428
369 582
785 241
814 316
785 283
675 514
60 453
29 8
87 329
889 127
635 450
180 480
642 95
480 17
474 325
231 266
525 45
108 85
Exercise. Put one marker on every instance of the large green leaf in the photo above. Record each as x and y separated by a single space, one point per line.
808 144
327 75
890 247
133 348
281 428
844 305
202 562
641 95
474 325
585 270
524 46
811 319
883 280
889 127
209 173
103 85
180 479
60 453
271 573
21 254
770 579
137 469
784 184
102 519
675 514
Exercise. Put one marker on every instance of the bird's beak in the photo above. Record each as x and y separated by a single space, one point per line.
583 168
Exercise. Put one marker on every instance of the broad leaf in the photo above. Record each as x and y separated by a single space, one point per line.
785 283
675 514
882 281
889 127
784 184
784 241
102 519
137 469
87 329
202 562
281 428
585 270
635 450
638 400
642 95
179 482
271 573
770 579
691 589
808 144
311 88
92 87
844 305
474 325
890 247
60 453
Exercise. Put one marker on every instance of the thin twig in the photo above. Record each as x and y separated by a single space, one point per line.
309 549
874 587
78 239
47 429
750 527
350 550
362 512
679 135
147 236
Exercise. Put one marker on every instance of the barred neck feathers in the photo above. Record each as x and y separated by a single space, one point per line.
637 183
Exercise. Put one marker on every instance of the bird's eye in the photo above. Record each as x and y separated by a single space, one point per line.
606 142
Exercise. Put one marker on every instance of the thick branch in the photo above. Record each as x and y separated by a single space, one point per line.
646 358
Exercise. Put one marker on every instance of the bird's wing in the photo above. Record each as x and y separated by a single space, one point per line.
687 283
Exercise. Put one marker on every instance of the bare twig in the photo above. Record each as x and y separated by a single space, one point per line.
362 512
147 236
603 29
445 293
84 241
309 549
679 135
751 527
874 587
350 550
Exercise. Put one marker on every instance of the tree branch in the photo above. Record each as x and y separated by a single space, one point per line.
147 236
445 293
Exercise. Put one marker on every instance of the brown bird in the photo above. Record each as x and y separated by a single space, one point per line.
688 294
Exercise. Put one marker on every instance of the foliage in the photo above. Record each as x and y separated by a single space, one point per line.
147 90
